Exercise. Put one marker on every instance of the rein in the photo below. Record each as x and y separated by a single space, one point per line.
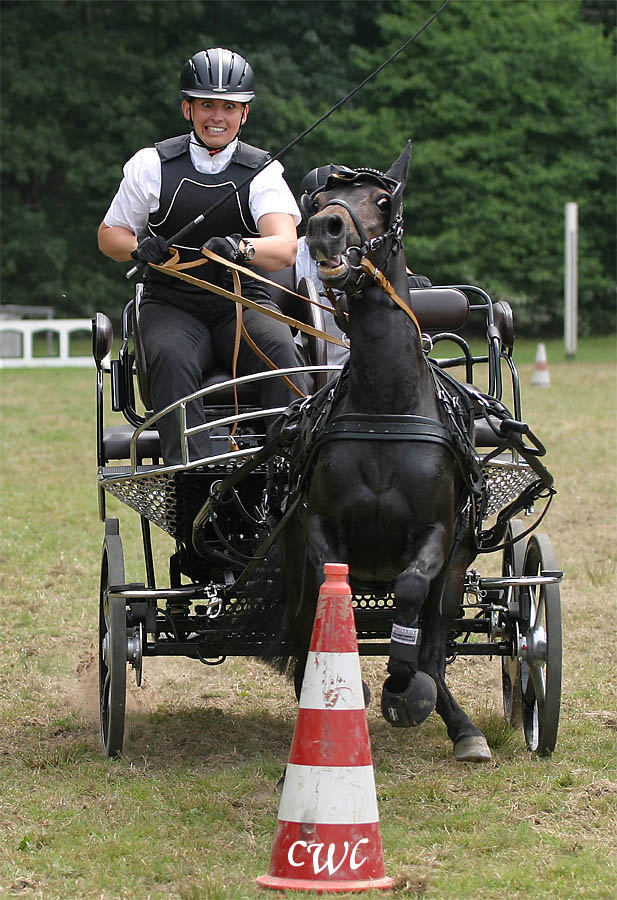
381 281
177 270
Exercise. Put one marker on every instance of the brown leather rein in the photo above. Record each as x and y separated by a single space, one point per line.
381 281
174 268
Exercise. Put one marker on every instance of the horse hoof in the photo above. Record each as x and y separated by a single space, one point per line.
472 749
411 706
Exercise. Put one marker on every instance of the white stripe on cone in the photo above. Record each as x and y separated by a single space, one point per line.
331 795
332 681
541 376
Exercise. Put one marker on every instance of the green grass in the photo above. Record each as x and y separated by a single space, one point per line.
190 810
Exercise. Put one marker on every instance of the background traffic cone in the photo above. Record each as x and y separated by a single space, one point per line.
541 376
327 838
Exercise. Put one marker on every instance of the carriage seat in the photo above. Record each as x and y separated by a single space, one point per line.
439 308
117 444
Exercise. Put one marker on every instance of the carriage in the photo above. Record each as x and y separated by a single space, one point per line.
227 513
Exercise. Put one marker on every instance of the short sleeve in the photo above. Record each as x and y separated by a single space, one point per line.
270 193
138 194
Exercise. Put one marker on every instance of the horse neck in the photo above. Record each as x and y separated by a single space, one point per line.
387 369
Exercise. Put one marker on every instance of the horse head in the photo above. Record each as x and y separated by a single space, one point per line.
357 213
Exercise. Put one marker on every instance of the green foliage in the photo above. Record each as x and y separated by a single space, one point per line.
511 109
510 106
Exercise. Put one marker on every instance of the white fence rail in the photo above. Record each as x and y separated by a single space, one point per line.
17 342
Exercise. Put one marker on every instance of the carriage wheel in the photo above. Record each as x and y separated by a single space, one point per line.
513 561
112 647
541 650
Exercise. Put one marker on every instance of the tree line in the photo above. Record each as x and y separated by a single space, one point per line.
510 105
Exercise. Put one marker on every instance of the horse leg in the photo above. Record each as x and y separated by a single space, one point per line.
409 694
469 743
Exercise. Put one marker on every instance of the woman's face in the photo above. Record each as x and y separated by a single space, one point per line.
215 121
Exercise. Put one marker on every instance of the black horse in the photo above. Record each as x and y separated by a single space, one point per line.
383 491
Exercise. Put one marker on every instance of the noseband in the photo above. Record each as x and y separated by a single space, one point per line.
368 245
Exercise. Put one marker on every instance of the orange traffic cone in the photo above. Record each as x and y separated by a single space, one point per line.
327 838
541 376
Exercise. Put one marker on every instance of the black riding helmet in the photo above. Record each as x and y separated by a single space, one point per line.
218 73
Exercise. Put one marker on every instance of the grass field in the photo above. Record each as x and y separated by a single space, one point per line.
190 810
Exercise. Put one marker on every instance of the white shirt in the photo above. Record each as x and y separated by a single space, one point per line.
138 195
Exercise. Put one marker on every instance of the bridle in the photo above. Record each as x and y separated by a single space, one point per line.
393 234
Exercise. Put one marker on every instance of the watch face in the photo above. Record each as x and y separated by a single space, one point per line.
249 250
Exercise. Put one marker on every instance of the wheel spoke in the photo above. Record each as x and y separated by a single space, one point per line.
539 686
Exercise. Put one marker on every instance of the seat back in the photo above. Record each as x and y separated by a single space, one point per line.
439 308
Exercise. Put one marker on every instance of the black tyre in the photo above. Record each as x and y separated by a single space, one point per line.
542 650
112 645
512 566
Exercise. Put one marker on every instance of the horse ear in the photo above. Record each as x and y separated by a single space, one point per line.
306 206
398 170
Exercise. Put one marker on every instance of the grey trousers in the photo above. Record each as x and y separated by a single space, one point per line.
182 343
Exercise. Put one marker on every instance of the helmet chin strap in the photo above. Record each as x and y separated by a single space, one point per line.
211 150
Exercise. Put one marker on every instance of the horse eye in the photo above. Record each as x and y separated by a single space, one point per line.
383 203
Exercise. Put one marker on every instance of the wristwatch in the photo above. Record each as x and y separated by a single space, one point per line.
249 250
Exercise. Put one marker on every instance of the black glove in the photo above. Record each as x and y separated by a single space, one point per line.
227 247
151 249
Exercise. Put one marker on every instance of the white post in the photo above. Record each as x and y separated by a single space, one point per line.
571 279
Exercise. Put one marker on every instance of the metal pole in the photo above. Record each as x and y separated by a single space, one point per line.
571 279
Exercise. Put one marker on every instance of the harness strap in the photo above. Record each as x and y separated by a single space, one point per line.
176 269
241 332
357 426
381 281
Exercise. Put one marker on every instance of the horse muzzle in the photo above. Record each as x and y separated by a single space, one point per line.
333 271
326 240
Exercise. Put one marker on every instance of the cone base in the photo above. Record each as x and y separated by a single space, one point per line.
324 887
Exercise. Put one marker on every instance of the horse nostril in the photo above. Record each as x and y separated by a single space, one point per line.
335 226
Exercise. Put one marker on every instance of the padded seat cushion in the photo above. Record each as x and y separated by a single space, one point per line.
439 309
117 443
484 436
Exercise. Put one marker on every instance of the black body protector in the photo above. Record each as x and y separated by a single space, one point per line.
185 194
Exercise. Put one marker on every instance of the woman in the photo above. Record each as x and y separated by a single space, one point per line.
185 330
